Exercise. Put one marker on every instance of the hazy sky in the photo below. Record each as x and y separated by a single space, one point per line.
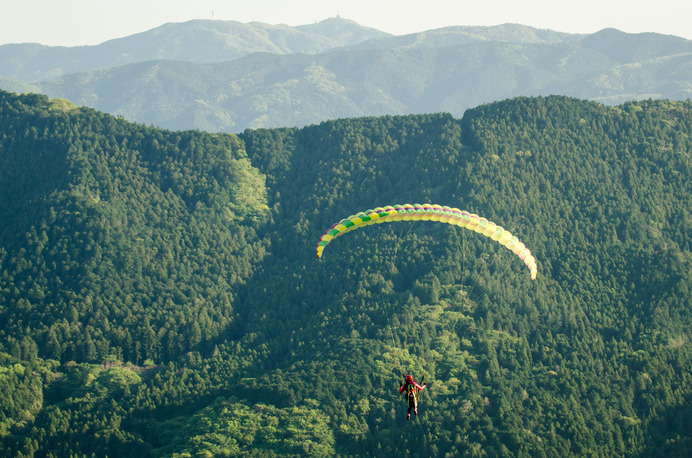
88 22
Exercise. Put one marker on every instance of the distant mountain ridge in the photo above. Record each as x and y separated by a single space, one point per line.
226 76
201 41
458 35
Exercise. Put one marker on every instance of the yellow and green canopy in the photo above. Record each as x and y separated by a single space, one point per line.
431 212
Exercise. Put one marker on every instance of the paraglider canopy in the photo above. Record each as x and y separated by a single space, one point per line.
436 213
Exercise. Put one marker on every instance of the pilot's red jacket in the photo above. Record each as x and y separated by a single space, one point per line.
412 382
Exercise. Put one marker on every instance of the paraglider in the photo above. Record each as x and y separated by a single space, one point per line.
435 213
431 212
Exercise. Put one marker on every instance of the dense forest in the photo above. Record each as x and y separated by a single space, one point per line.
160 293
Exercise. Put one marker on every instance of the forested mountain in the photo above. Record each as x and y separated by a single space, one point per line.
160 294
226 77
202 41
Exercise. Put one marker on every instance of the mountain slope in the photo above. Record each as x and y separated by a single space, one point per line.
160 307
96 198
